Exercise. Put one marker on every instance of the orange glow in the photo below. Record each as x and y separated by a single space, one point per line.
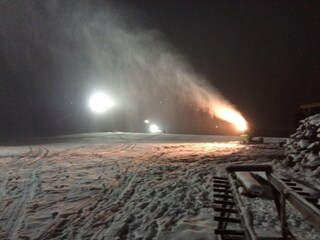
232 116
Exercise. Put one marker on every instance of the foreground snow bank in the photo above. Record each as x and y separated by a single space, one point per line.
302 149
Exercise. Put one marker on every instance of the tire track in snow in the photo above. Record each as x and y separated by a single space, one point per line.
85 218
114 198
90 208
8 212
126 199
65 151
3 183
15 213
22 156
114 149
122 149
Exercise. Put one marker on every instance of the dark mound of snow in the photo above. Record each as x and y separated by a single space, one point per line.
302 149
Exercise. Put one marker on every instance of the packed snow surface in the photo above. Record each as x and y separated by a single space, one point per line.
125 186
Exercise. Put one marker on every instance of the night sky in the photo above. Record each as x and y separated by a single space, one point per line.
263 56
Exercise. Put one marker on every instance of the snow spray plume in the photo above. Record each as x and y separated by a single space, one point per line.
106 44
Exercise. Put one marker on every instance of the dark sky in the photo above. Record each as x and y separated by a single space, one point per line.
263 56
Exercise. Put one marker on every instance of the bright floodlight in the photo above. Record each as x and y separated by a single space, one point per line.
99 102
154 128
146 121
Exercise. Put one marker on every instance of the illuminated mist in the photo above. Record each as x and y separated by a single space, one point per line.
90 47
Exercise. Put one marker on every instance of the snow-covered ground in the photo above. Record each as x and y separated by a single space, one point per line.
125 186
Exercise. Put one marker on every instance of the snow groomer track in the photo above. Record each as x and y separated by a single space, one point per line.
231 209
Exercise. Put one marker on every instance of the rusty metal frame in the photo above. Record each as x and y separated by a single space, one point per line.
281 193
307 209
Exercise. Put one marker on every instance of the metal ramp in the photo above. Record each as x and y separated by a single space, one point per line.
235 221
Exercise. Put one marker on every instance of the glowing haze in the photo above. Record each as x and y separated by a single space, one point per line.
99 102
103 46
232 116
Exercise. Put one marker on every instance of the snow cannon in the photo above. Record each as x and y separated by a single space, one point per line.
245 138
249 138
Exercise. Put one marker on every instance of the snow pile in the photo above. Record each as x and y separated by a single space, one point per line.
302 149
